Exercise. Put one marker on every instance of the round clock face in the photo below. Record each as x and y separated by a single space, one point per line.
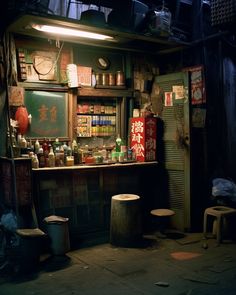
103 63
43 65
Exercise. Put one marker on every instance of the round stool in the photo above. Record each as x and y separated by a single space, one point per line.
220 213
126 220
163 215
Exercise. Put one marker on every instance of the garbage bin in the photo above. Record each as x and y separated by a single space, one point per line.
58 232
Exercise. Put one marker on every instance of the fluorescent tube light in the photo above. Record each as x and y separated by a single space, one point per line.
71 32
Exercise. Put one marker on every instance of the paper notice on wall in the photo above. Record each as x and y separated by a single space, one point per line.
197 80
178 91
168 99
16 96
198 117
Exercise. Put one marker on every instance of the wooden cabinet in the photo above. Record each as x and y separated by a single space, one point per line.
91 124
15 177
83 194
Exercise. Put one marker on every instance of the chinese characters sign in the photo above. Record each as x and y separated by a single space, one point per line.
49 113
143 138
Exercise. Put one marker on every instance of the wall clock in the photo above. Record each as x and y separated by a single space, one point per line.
103 63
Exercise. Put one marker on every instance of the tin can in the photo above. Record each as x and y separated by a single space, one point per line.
98 78
120 78
129 154
105 79
111 79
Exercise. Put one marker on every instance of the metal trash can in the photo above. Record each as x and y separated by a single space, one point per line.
58 232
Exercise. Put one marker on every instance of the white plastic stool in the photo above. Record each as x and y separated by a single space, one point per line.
219 212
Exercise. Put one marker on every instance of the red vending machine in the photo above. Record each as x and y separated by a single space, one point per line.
143 138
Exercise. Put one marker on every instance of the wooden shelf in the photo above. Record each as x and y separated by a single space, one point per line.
122 40
106 92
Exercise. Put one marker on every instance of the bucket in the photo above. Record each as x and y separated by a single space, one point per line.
58 232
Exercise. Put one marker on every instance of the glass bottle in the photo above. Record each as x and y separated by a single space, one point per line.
56 144
36 146
35 161
41 158
51 158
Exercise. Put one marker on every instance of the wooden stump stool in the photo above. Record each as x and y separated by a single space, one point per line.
126 220
163 216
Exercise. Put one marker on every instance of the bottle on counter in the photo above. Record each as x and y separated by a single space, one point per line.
35 161
57 157
118 143
36 146
45 147
104 153
85 153
23 142
73 145
69 150
77 153
65 148
51 158
41 158
56 144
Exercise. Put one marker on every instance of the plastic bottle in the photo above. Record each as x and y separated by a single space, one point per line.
104 152
118 143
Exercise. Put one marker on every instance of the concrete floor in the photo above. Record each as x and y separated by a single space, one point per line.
171 266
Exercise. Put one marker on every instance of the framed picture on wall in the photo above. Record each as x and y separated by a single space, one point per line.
49 111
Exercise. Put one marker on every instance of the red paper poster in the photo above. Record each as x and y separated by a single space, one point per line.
168 99
197 84
143 138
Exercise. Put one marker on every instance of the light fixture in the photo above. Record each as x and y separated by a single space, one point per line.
71 32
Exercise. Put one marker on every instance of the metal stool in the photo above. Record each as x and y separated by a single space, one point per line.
219 212
163 215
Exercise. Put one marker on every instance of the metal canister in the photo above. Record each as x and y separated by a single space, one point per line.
105 79
120 78
111 79
98 77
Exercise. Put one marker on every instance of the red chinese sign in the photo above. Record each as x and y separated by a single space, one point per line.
143 138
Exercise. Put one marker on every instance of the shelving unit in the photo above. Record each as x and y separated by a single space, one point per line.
106 96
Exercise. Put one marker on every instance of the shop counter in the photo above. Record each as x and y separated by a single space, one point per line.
83 193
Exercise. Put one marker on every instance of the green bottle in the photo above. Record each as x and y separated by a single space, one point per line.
118 143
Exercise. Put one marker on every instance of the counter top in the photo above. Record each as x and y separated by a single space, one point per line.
97 166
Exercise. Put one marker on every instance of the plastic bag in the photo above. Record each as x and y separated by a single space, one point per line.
224 187
9 221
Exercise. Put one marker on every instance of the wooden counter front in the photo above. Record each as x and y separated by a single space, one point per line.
83 193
